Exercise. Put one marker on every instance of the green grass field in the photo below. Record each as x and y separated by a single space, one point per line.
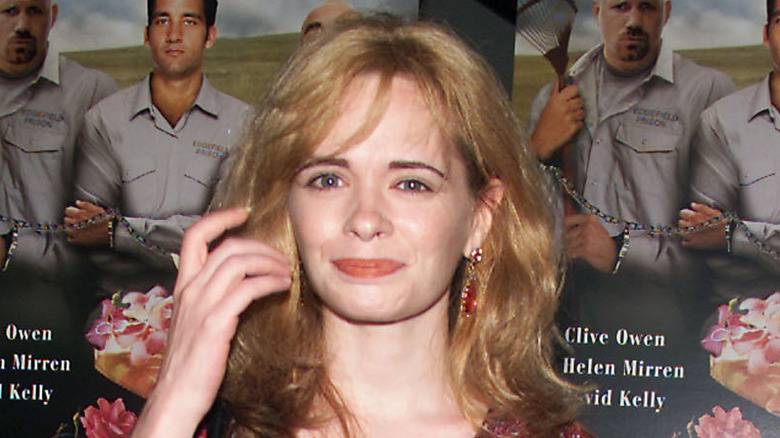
245 67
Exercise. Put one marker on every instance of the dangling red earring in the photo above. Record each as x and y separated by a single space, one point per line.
468 294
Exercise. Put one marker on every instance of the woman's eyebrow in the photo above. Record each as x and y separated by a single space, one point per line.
324 161
416 165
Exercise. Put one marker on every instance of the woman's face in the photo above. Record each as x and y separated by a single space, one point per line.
382 225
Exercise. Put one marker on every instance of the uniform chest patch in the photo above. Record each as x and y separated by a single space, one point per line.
42 119
211 150
655 117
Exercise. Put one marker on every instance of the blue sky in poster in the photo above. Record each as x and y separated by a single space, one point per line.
90 24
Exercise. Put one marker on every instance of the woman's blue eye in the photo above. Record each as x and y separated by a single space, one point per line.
325 181
413 185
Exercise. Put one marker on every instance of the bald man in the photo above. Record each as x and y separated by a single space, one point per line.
325 16
43 99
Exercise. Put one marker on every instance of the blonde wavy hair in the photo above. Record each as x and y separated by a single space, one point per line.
501 355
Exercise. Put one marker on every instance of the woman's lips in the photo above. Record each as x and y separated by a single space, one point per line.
367 268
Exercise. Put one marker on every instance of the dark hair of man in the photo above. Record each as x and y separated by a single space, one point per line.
209 11
770 14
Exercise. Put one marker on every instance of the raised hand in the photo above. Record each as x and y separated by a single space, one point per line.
212 289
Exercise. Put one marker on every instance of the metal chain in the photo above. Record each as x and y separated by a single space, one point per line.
652 230
656 230
57 228
81 225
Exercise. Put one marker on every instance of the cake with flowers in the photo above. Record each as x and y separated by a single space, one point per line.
129 338
745 349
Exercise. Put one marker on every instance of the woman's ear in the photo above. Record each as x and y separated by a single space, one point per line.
486 206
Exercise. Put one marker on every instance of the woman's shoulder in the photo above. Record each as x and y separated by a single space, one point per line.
518 429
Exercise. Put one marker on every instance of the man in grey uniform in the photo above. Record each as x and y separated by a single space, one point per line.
736 168
628 118
43 98
154 152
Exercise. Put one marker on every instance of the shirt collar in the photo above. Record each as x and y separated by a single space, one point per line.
50 70
206 100
663 67
761 100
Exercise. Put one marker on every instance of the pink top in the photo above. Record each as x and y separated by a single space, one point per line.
516 429
500 429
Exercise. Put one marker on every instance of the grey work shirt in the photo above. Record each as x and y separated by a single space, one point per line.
159 177
736 167
40 126
633 161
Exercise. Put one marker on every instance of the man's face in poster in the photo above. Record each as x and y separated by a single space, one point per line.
631 30
177 36
24 32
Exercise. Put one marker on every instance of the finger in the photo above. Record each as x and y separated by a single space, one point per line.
245 292
570 92
705 209
234 251
241 247
86 206
194 246
687 213
217 281
557 88
578 113
74 212
702 209
575 104
682 223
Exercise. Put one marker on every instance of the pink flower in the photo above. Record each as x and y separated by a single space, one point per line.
726 425
108 420
136 322
715 339
749 328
